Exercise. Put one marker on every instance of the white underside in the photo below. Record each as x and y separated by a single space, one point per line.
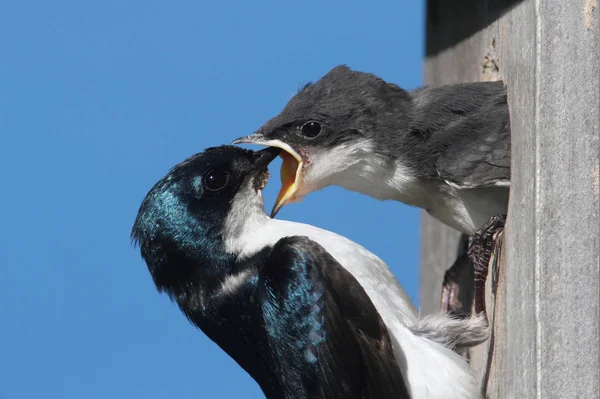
462 208
467 209
356 167
431 370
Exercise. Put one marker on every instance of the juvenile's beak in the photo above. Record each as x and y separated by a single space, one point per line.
291 168
255 138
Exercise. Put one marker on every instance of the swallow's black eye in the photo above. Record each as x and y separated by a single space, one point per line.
216 180
311 129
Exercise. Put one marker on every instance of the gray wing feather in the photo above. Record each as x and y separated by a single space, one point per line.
467 131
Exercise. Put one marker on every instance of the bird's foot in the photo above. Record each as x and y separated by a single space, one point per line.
451 285
482 245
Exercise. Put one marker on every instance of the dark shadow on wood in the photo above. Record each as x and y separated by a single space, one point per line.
465 295
450 22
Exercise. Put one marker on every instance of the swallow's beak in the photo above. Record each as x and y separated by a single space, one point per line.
261 162
263 158
291 169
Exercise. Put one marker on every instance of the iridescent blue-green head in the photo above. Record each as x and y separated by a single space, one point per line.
181 223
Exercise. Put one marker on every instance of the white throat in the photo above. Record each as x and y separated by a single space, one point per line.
355 166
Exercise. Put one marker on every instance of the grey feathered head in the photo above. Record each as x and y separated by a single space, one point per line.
327 125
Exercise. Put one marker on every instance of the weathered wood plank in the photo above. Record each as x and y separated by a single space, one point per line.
545 300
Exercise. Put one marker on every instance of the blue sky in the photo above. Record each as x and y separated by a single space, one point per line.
97 101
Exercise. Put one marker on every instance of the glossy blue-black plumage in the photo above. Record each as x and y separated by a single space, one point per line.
182 220
325 333
296 321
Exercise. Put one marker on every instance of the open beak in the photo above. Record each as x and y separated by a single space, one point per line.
291 169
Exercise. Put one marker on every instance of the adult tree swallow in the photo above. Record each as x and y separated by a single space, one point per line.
306 312
444 149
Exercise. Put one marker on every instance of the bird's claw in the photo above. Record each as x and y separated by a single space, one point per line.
482 245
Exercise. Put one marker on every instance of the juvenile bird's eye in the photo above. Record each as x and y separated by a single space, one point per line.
311 129
216 180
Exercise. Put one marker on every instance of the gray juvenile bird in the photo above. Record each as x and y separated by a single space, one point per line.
444 149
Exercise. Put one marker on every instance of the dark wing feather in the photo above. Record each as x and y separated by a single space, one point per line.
326 337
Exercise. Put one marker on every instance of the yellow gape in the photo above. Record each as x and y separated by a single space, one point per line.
291 176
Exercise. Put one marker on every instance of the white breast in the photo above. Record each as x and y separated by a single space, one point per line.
357 168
